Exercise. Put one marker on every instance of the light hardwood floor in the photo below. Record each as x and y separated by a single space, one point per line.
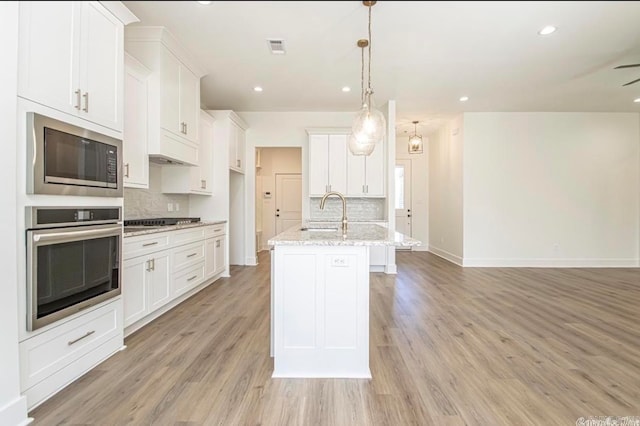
449 346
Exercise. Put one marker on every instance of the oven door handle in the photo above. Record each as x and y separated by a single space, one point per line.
68 235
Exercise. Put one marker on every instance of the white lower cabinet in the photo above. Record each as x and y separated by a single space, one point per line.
214 256
146 285
161 270
51 360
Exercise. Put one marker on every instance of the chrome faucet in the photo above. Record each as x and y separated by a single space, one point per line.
344 208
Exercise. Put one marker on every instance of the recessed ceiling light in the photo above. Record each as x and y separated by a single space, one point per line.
637 100
204 2
464 99
346 89
549 29
257 89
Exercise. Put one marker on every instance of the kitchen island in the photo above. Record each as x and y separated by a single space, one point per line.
320 298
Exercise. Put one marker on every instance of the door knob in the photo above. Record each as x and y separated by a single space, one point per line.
277 215
408 215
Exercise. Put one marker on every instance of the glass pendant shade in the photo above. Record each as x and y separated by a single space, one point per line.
369 124
360 148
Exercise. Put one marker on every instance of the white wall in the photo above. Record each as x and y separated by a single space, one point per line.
551 189
419 188
445 191
273 161
13 407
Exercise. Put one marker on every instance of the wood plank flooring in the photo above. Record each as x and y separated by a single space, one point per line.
449 346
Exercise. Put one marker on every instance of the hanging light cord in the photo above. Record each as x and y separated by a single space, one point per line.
362 76
369 71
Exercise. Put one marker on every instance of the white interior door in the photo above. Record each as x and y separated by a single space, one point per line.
403 196
288 201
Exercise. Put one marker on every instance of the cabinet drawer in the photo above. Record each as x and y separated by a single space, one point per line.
188 235
214 230
188 279
144 244
46 353
187 255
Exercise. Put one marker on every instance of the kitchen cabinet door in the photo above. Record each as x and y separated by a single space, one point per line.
101 66
48 56
136 154
189 103
366 174
170 90
327 164
135 289
159 280
71 59
237 138
219 254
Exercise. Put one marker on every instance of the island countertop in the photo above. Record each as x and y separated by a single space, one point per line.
358 234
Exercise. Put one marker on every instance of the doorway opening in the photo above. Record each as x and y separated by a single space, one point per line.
278 192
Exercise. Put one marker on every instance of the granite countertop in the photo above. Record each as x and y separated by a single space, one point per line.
143 230
358 234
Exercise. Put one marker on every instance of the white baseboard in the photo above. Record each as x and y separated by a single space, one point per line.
446 255
251 261
551 263
391 269
15 413
419 248
376 268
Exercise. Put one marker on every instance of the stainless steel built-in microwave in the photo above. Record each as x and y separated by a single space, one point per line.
63 159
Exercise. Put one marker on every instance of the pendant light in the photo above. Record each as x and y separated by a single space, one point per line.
369 125
415 140
362 146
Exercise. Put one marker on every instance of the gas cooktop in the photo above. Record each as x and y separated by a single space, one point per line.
162 221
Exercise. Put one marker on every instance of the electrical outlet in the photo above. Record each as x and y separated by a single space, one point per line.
177 207
339 261
169 207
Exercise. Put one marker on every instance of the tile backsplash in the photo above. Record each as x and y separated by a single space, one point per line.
151 203
360 209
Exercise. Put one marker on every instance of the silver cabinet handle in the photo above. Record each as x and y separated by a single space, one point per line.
186 128
89 333
237 163
217 230
148 268
126 168
77 92
150 244
192 278
192 254
153 264
86 102
203 184
217 243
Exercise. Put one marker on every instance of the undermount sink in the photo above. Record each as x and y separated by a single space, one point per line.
319 229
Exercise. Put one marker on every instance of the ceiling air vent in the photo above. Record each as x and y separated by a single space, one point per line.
276 46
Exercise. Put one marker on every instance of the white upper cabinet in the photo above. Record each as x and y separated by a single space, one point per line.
174 94
193 179
71 59
135 158
237 140
327 163
366 174
230 129
181 100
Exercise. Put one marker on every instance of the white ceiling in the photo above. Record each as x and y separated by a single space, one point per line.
425 54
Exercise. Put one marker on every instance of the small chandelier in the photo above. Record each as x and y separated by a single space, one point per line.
415 141
369 125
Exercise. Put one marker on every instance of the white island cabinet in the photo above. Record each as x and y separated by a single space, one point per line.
320 305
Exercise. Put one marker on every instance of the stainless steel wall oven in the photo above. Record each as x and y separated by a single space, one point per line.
74 260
